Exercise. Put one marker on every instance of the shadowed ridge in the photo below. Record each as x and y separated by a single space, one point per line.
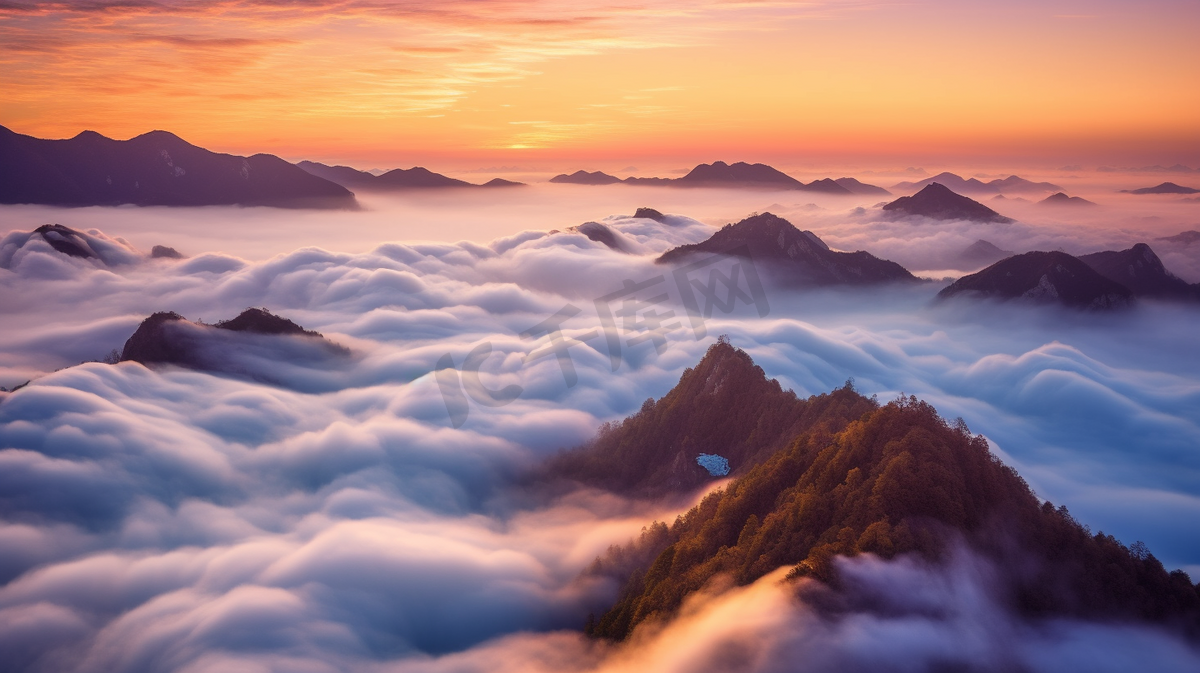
936 201
1140 270
153 169
795 257
150 345
1164 188
262 321
898 479
1049 277
155 342
725 405
66 240
582 177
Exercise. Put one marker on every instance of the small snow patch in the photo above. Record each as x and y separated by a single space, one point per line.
716 465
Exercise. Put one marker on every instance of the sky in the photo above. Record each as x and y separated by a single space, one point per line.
507 83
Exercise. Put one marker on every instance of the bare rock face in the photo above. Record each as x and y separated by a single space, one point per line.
164 252
1046 277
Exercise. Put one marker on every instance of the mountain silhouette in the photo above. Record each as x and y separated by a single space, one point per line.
1183 237
841 475
855 187
1050 277
1012 184
980 253
736 175
1164 188
940 203
154 169
1061 199
167 338
398 179
1140 270
585 178
791 256
724 406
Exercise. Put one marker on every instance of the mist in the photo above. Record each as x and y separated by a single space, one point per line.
277 512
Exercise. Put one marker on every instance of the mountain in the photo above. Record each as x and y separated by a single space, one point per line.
1183 237
980 253
1011 184
650 214
586 178
1164 188
153 169
740 175
1061 199
724 406
93 246
855 187
1052 277
1140 270
256 344
938 202
393 180
600 233
794 257
888 480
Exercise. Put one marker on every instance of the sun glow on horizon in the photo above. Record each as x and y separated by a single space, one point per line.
384 83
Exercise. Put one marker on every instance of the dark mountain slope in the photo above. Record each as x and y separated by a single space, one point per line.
794 257
1011 185
582 177
724 406
1140 270
394 180
153 169
169 338
1053 277
896 480
855 187
980 253
1164 188
938 202
745 176
1061 199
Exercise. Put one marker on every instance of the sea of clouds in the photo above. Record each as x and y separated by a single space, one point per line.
302 512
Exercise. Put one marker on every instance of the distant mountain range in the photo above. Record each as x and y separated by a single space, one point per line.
1010 185
792 256
840 474
1164 188
738 175
1061 199
1049 277
585 178
393 180
1100 280
153 169
938 202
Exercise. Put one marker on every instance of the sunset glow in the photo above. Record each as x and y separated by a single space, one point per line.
390 83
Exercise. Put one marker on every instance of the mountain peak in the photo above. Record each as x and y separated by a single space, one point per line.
938 202
792 256
1047 277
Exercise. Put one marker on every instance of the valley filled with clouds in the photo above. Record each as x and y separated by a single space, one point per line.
288 507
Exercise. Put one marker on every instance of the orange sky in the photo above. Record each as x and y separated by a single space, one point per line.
479 83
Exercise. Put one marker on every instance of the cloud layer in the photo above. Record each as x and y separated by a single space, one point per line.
171 519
